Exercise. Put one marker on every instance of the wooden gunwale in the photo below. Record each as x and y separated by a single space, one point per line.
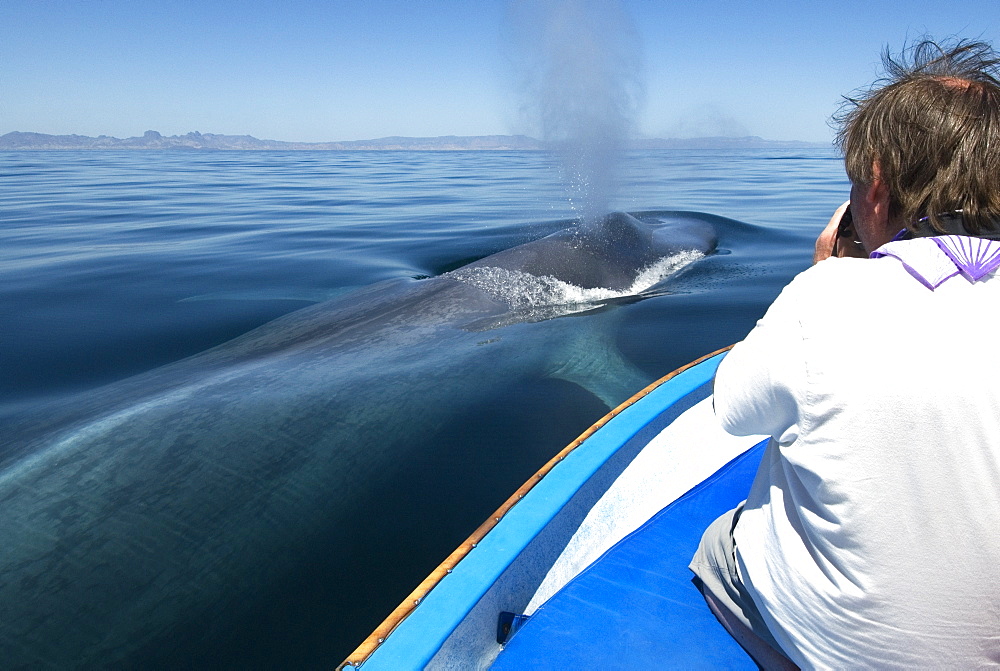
400 613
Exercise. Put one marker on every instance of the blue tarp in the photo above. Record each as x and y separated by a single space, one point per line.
636 607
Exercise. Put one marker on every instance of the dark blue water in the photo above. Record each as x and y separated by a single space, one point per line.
113 264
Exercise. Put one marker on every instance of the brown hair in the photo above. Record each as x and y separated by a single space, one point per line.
930 130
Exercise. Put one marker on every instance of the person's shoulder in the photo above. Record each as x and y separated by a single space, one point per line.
836 273
854 267
843 285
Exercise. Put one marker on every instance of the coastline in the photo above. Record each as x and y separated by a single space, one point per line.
152 140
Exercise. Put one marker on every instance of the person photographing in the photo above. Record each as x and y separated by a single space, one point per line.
869 535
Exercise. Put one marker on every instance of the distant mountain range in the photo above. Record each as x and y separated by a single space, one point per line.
195 140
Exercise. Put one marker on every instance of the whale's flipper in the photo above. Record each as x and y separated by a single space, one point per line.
593 362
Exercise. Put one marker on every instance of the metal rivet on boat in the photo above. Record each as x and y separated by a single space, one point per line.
416 601
450 570
381 640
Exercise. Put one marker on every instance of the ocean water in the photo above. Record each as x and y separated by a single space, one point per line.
116 264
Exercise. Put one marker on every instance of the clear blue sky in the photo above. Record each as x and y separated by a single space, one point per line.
311 70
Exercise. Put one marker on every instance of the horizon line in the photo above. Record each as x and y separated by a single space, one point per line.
152 139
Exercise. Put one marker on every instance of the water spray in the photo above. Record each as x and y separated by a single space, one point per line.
580 66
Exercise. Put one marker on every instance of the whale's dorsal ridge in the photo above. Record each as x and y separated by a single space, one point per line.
618 228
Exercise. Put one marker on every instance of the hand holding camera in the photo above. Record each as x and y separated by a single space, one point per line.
840 237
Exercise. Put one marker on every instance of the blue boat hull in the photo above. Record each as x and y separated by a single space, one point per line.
634 493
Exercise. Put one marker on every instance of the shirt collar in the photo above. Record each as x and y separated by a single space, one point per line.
934 260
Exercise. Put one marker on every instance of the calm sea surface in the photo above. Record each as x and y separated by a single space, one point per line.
113 264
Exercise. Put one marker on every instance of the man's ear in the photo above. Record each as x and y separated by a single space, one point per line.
877 197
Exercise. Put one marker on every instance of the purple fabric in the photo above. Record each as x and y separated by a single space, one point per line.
974 257
932 261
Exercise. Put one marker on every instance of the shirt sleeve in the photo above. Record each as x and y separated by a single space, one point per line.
760 382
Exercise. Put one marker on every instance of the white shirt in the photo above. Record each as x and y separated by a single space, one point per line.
871 535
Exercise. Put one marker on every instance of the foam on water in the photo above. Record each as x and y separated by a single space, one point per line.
525 292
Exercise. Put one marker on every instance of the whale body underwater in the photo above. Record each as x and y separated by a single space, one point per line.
144 513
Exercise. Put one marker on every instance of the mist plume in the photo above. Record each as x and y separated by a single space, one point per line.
579 65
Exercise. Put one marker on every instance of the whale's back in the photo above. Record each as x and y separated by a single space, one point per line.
607 254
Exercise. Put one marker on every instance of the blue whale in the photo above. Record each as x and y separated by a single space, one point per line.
144 511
